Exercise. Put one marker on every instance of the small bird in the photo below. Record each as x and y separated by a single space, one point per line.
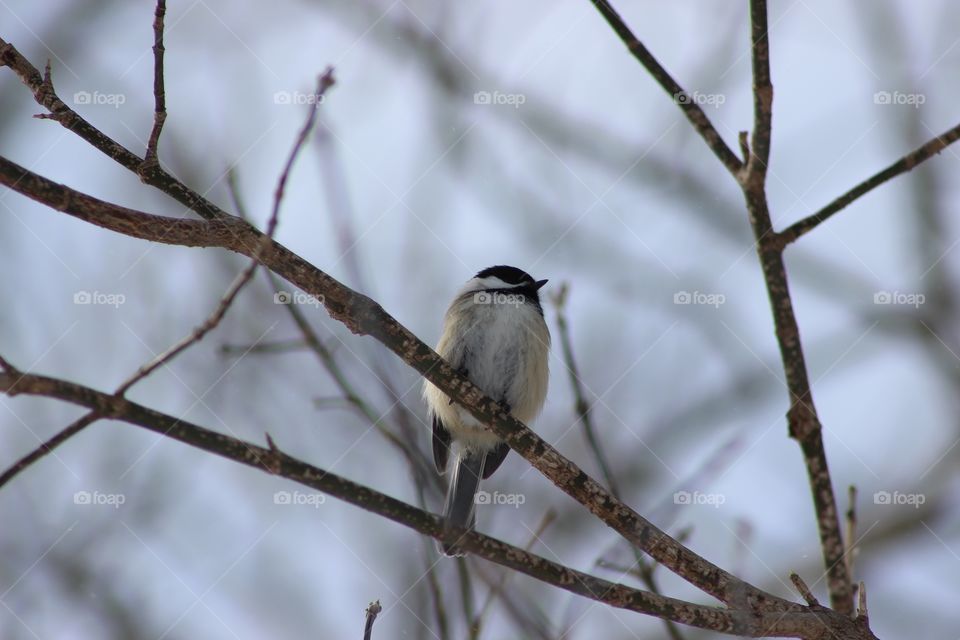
494 333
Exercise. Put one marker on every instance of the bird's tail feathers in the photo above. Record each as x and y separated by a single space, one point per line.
458 512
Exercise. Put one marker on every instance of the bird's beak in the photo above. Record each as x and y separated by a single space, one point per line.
539 283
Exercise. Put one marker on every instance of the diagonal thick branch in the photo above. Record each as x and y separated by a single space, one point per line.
799 621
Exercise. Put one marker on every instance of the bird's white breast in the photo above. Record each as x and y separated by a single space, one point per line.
503 344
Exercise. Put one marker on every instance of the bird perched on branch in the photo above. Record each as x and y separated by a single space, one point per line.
494 333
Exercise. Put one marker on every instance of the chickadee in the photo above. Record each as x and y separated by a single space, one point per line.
495 334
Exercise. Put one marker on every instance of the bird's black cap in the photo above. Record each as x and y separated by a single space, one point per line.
510 275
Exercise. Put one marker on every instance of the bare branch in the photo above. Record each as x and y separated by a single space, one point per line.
904 164
690 108
804 423
46 447
497 589
762 92
159 95
851 532
645 570
372 612
803 590
862 602
45 95
797 620
323 83
581 406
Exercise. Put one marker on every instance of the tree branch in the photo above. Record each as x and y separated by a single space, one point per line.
582 409
798 621
371 614
904 164
45 95
762 92
159 95
804 424
690 108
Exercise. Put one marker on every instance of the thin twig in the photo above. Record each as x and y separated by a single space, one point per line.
422 468
645 570
436 594
851 532
277 346
466 596
862 613
496 590
581 406
904 164
803 590
159 95
45 95
48 446
372 612
762 92
690 108
323 83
